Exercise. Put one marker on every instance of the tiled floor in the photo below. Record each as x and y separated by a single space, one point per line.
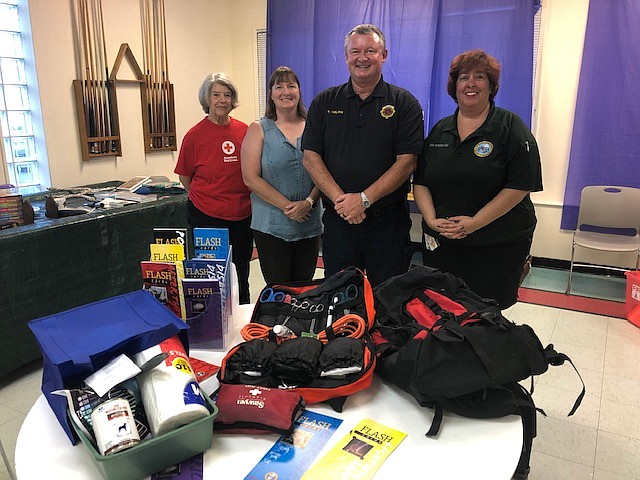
601 441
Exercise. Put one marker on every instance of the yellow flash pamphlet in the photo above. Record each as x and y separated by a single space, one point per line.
166 252
358 455
173 253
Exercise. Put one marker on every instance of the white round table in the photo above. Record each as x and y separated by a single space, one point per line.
465 448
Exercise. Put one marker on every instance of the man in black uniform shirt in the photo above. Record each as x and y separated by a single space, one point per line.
360 144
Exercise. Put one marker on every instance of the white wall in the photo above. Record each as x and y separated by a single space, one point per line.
253 16
562 32
203 36
206 36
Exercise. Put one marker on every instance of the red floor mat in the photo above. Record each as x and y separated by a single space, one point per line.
572 302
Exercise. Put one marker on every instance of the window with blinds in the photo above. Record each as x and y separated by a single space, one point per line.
261 42
536 43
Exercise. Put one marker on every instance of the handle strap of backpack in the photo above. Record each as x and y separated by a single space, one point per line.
452 332
438 310
516 396
557 358
436 422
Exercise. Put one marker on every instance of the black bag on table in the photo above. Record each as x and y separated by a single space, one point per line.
454 350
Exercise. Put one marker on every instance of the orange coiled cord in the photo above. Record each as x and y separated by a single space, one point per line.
350 325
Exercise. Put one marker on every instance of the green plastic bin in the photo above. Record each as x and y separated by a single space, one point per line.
155 454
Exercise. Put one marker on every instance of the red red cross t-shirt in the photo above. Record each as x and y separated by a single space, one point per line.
210 155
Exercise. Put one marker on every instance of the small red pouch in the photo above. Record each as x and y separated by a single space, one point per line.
253 409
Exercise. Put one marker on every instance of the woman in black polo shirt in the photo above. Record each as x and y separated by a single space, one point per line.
472 185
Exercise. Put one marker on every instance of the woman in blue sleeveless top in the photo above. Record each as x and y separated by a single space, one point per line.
285 218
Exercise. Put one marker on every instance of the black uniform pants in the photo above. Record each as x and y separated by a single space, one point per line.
379 246
491 271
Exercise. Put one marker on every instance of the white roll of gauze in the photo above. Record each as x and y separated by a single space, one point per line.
170 393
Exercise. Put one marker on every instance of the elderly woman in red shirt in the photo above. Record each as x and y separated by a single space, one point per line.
209 168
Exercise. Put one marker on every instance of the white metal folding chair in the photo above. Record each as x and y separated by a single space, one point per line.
608 220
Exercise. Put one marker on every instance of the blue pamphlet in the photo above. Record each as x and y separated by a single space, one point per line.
214 268
204 312
293 454
211 242
208 300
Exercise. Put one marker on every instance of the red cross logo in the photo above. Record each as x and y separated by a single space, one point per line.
228 147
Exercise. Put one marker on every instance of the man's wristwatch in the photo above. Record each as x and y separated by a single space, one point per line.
365 201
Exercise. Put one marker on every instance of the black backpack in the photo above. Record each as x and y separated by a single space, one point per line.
454 350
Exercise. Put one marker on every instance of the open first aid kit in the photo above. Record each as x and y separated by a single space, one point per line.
312 338
117 376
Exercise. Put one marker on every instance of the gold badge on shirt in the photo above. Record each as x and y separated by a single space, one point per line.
388 111
483 149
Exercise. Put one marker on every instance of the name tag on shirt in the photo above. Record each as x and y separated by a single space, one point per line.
430 242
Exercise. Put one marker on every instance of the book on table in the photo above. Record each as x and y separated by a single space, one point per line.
134 183
133 197
119 198
205 373
8 190
11 210
162 182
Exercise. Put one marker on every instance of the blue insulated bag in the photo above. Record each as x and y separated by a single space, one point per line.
77 342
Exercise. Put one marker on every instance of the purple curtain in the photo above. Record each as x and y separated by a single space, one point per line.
502 28
605 148
422 36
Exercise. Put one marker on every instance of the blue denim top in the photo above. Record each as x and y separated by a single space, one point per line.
281 166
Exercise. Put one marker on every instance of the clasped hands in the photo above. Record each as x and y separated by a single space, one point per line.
298 211
454 228
349 207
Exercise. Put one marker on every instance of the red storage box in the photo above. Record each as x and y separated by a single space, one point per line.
633 297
